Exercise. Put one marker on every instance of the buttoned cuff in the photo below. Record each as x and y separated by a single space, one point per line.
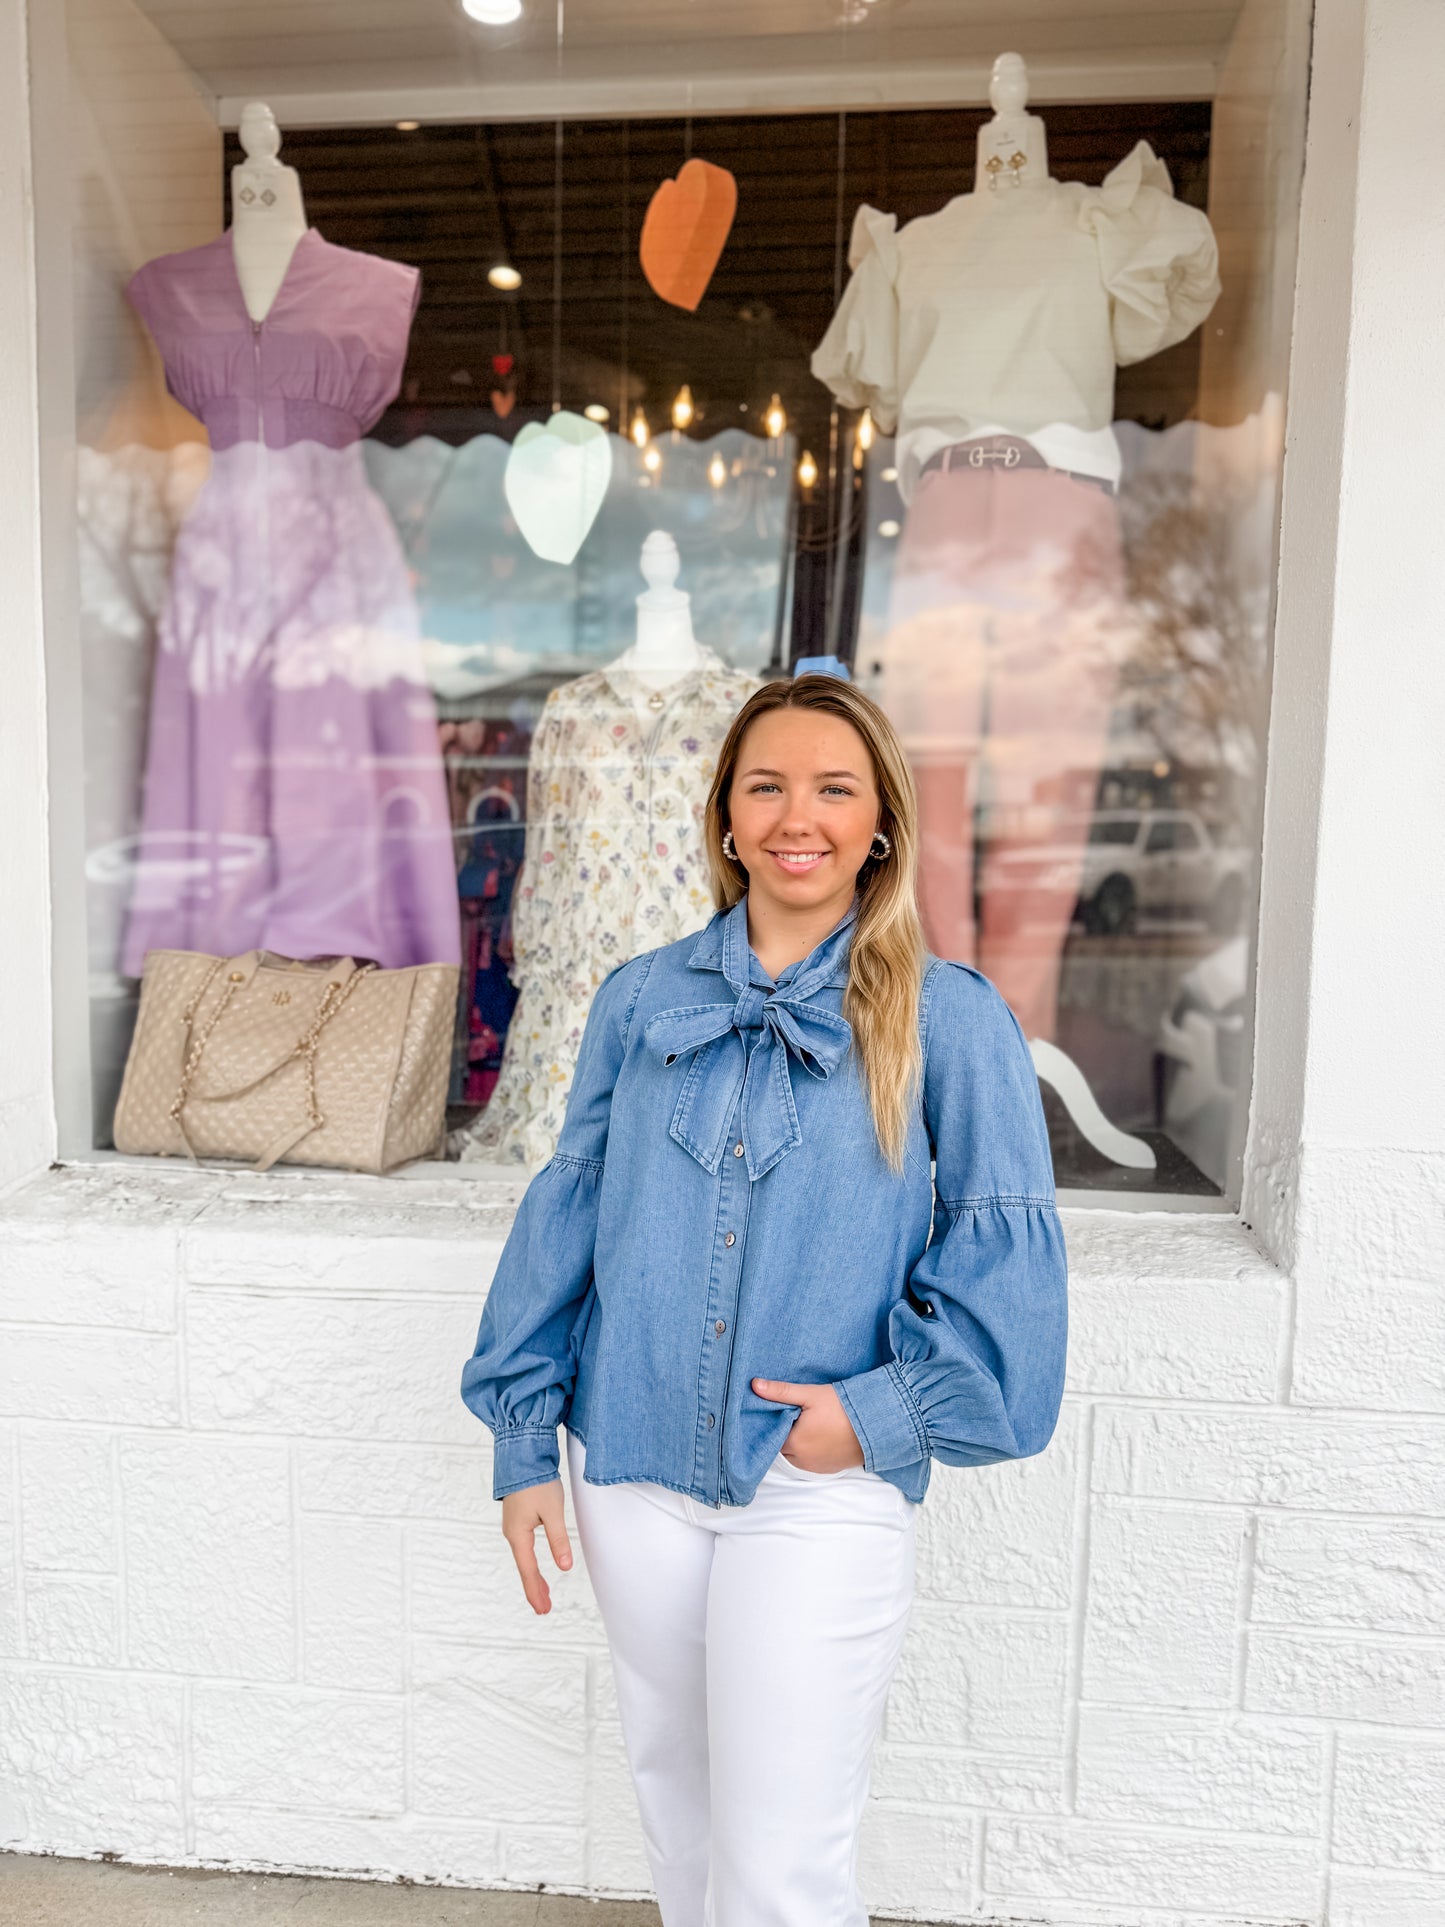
882 1412
524 1455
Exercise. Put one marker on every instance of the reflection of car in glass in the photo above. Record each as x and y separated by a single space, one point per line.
1162 864
1199 1052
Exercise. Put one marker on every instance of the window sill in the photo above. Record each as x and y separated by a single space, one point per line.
230 1219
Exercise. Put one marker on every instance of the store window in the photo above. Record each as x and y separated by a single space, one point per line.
464 430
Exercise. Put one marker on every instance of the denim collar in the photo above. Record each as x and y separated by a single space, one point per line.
723 945
740 1050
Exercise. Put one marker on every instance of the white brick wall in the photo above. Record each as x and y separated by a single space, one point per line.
1186 1666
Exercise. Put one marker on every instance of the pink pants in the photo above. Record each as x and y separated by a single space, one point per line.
998 669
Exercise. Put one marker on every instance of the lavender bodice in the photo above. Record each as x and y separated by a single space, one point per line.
321 367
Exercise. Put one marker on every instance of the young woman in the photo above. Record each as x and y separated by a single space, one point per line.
761 1317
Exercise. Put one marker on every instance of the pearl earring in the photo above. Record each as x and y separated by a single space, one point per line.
728 850
887 850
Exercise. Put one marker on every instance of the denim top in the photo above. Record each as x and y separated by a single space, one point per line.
719 1209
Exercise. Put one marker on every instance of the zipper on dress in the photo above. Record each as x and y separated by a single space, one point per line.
263 494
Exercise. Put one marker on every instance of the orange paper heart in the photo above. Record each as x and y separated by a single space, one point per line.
686 230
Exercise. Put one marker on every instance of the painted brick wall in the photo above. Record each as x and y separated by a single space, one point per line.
1186 1665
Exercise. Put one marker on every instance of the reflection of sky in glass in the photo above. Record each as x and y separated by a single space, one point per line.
492 610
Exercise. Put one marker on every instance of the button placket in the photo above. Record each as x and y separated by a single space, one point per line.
733 1205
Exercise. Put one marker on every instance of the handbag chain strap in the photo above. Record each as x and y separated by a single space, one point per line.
332 998
198 1045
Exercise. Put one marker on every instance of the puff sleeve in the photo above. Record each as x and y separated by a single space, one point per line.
858 357
979 1337
1157 256
520 1376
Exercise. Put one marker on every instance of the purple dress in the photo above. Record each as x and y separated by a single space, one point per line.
294 793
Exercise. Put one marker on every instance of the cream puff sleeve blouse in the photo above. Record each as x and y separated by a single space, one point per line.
1010 309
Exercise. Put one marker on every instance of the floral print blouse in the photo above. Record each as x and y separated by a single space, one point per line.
615 864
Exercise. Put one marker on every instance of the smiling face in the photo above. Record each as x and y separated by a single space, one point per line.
803 807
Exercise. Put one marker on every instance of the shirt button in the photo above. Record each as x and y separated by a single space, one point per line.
731 1239
721 1326
711 1421
738 1148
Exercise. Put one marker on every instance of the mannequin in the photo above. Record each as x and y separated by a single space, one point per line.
615 861
268 216
292 752
666 650
985 337
1012 147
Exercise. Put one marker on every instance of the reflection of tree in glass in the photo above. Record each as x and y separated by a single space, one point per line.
1194 675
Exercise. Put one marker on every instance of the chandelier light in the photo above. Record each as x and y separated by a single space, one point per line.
651 459
639 431
595 412
503 275
775 420
807 470
682 407
717 471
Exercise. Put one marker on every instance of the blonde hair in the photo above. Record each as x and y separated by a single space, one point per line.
885 964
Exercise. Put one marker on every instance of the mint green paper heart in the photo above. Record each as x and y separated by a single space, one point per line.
557 475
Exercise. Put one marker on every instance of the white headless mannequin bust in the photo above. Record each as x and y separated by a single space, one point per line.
268 217
666 650
1013 148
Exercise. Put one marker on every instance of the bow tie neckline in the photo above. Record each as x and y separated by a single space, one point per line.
742 1048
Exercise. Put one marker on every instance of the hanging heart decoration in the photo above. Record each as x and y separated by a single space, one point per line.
504 385
685 230
557 474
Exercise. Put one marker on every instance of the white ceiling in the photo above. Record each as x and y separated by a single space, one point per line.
329 61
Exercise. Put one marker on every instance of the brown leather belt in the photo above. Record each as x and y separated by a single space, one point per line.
1003 452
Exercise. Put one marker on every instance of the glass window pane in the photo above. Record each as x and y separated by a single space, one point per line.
449 478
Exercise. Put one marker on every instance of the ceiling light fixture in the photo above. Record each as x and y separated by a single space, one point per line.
807 470
595 412
865 430
682 408
504 276
639 431
493 13
775 420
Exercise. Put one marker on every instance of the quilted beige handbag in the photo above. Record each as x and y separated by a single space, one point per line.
261 1058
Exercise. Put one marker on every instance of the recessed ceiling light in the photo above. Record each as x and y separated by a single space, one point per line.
504 275
493 13
595 412
407 126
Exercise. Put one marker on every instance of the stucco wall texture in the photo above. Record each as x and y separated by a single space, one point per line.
1185 1666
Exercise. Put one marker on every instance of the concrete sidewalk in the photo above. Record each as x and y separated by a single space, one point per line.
37 1891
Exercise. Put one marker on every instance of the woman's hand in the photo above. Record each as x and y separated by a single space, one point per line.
821 1438
522 1513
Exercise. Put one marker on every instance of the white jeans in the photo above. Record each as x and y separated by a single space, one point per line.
752 1648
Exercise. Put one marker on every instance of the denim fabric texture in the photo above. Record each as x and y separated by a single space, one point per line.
719 1209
